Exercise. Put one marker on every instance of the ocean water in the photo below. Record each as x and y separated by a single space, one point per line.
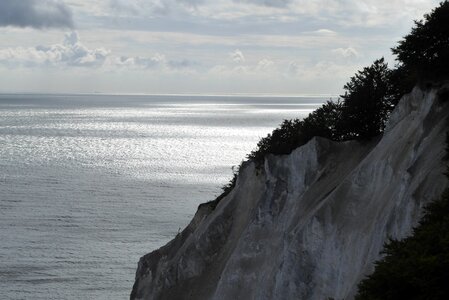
89 183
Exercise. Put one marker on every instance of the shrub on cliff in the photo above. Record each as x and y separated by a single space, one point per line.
294 133
367 102
401 83
323 122
416 267
424 53
361 114
372 93
281 141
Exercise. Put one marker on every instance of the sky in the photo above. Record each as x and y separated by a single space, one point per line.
274 47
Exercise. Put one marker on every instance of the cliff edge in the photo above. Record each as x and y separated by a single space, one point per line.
308 225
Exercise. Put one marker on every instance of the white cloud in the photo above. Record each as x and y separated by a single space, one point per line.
324 31
71 53
263 68
237 56
346 52
293 68
242 40
265 64
155 61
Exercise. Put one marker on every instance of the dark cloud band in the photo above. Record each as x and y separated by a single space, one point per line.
35 13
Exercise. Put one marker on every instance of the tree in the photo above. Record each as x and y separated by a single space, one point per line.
361 114
294 133
401 83
281 141
424 53
367 102
323 121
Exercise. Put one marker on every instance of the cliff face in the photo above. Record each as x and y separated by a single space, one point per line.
308 225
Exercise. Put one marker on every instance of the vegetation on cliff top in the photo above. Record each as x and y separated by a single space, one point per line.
424 52
371 94
361 113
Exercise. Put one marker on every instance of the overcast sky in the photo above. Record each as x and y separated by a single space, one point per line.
196 46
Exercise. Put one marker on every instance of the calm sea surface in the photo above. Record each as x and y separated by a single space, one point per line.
88 184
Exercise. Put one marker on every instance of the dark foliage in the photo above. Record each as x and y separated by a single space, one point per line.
372 93
227 188
294 133
362 113
281 141
443 94
367 102
401 83
416 267
324 121
424 53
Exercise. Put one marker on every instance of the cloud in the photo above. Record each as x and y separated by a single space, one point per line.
270 3
293 68
324 14
191 3
265 64
325 31
71 53
260 68
125 6
182 64
35 13
145 8
237 56
346 52
155 61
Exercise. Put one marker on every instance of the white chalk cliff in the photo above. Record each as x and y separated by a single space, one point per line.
308 225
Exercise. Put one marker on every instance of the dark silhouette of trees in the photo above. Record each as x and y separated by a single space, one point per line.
367 102
361 114
401 83
281 141
424 53
323 122
294 133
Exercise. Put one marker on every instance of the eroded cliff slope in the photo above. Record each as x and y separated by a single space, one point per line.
308 225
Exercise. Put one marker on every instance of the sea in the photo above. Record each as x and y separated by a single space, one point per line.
90 183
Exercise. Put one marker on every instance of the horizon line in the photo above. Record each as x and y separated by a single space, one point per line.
174 94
